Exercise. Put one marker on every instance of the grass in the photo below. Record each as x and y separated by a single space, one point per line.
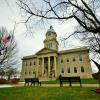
47 93
84 81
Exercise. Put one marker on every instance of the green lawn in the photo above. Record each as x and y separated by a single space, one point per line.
47 93
84 81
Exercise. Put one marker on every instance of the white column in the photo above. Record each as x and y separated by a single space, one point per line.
42 66
55 65
48 66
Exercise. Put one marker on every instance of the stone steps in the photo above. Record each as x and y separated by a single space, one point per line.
47 78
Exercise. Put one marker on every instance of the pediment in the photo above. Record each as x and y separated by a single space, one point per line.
46 50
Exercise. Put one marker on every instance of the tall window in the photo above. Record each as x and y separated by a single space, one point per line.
51 45
73 59
56 47
30 63
82 69
39 62
47 45
26 63
67 60
61 61
29 72
75 70
68 69
34 63
62 70
34 72
80 58
25 72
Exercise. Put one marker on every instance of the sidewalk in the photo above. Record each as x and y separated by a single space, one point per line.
58 85
50 85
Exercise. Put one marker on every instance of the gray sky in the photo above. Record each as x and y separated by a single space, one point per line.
27 44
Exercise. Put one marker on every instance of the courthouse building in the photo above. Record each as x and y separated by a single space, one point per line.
50 63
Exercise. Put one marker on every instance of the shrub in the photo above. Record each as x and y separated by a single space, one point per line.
13 81
3 81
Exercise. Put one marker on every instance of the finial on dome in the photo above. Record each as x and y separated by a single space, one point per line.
51 27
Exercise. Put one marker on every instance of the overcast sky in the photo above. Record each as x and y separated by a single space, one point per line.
27 44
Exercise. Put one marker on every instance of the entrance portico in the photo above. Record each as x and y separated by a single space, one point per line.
47 66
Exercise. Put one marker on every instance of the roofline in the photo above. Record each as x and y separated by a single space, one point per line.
59 52
28 57
73 50
45 53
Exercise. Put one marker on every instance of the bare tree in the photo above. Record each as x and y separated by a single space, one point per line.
8 50
2 72
85 12
11 72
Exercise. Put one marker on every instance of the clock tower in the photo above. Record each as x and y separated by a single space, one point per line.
51 39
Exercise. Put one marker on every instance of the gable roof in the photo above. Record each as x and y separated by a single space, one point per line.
74 50
29 57
46 50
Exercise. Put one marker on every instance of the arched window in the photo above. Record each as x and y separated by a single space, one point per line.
67 60
47 45
75 70
29 72
34 72
26 63
56 47
51 45
80 58
82 69
34 63
39 62
61 60
73 59
30 63
25 72
68 69
62 70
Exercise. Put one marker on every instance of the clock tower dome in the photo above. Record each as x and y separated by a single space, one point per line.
51 39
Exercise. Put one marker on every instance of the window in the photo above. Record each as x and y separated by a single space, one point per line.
56 47
47 45
67 60
34 63
61 60
25 72
62 70
82 69
80 58
30 63
75 70
51 44
34 72
39 62
68 69
73 59
26 63
29 72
